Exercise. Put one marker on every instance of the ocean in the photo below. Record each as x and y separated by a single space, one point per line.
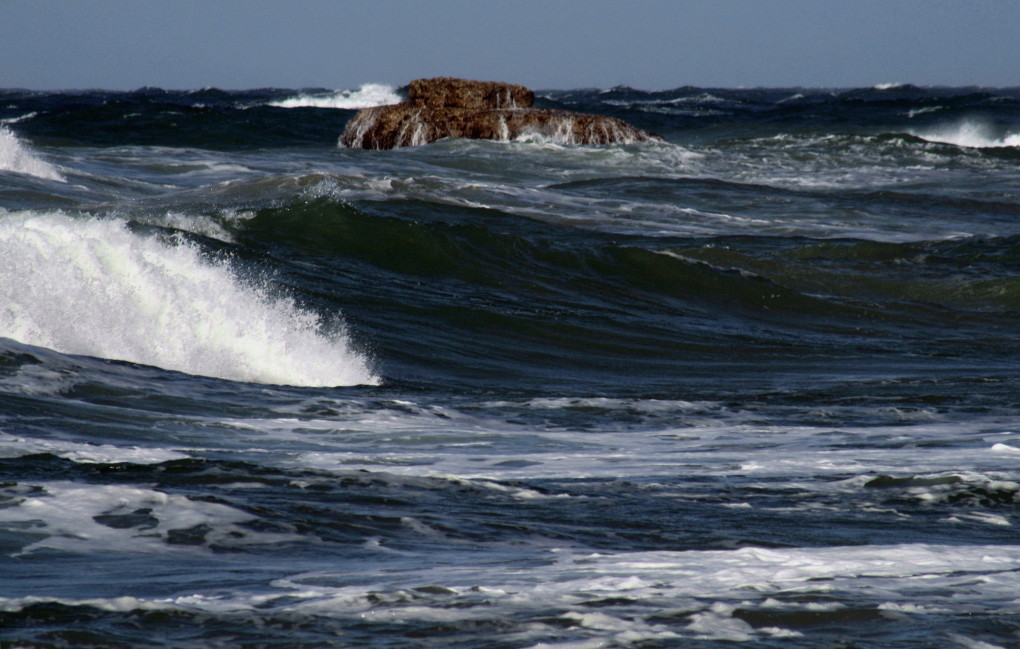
755 385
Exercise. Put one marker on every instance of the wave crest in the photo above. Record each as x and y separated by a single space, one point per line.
971 134
369 94
16 157
96 288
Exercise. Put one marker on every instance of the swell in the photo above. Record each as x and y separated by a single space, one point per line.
211 119
682 109
451 292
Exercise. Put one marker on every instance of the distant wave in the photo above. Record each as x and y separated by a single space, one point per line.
22 118
969 133
923 110
701 98
16 157
94 287
370 94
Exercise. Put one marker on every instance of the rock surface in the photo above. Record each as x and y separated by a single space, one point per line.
448 92
448 107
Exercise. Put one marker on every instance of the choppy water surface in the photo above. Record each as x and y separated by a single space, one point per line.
754 385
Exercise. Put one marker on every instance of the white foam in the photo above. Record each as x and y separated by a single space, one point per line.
114 604
16 157
971 133
921 111
703 442
1004 448
21 118
12 446
369 94
70 515
718 623
94 287
971 643
203 224
702 589
605 403
705 586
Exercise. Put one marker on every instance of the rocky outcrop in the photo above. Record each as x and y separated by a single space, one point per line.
447 107
448 92
407 124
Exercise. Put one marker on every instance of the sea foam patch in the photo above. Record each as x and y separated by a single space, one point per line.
75 517
622 598
14 446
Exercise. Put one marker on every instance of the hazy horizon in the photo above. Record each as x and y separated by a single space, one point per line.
651 45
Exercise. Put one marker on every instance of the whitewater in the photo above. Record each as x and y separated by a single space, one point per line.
370 94
158 303
753 385
15 158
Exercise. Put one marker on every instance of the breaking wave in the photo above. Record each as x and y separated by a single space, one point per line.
971 134
369 94
96 288
16 157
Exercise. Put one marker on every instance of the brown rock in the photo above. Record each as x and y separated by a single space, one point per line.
449 92
446 107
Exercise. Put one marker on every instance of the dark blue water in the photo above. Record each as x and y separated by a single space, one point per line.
757 384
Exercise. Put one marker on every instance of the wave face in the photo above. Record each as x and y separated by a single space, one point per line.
751 384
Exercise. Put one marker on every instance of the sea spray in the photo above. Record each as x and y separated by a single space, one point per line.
369 94
94 287
970 133
16 157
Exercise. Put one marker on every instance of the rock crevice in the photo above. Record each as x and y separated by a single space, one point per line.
489 110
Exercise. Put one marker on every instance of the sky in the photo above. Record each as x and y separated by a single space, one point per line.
543 44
